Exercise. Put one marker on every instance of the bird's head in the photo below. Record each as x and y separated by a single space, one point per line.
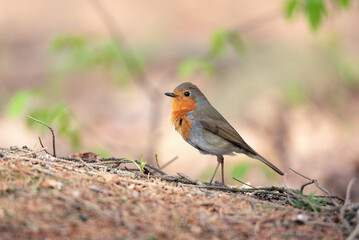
186 97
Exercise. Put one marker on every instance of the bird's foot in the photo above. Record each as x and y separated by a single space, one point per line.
216 184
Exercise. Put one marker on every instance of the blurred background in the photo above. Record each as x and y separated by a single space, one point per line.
284 73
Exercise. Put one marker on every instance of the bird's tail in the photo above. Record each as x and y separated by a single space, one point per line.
265 161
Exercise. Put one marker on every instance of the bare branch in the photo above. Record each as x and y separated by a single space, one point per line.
315 181
52 132
190 180
42 145
244 183
355 232
169 162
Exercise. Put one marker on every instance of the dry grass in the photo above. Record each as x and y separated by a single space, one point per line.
58 199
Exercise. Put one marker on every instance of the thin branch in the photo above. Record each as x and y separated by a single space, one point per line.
87 165
34 152
190 180
346 204
355 232
315 181
52 132
42 145
169 162
349 189
244 183
300 174
138 162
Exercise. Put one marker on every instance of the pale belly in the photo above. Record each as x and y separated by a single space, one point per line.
209 143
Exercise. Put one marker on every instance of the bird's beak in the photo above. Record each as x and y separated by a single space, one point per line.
171 94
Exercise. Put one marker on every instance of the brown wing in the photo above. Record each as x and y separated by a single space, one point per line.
214 122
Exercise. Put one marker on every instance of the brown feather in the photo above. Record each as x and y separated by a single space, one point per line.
215 123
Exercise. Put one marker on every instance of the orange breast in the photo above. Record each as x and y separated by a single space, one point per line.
180 107
182 125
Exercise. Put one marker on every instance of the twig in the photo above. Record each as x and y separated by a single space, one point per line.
138 162
42 145
315 181
349 188
169 162
244 183
355 232
300 174
190 180
52 132
33 152
346 204
87 165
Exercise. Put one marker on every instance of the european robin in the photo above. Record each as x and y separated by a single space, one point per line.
202 126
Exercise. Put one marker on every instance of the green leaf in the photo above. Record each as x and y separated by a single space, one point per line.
74 42
315 9
143 163
18 103
306 202
218 43
236 42
348 70
190 66
268 172
240 169
344 3
290 7
294 93
59 117
134 162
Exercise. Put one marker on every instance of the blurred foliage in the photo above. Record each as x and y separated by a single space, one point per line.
346 66
72 54
81 54
18 103
240 170
220 40
308 202
314 10
57 115
223 38
103 152
191 65
206 174
294 93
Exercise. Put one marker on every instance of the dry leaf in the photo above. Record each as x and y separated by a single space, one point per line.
87 155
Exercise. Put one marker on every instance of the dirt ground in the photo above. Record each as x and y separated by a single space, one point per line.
42 197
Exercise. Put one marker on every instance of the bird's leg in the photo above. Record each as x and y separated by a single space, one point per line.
220 160
214 174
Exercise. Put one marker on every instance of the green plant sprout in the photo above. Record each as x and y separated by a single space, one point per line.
309 202
140 167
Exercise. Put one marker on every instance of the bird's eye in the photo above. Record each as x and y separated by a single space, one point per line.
187 93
